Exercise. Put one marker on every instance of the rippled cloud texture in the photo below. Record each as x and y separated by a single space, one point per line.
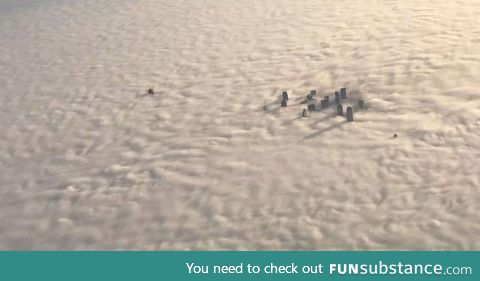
89 163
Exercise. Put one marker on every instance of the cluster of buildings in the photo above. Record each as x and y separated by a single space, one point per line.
310 100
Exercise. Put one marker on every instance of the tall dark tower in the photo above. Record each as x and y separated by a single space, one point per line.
349 114
340 110
337 98
361 104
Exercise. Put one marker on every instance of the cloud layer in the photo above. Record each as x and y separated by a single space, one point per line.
88 162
